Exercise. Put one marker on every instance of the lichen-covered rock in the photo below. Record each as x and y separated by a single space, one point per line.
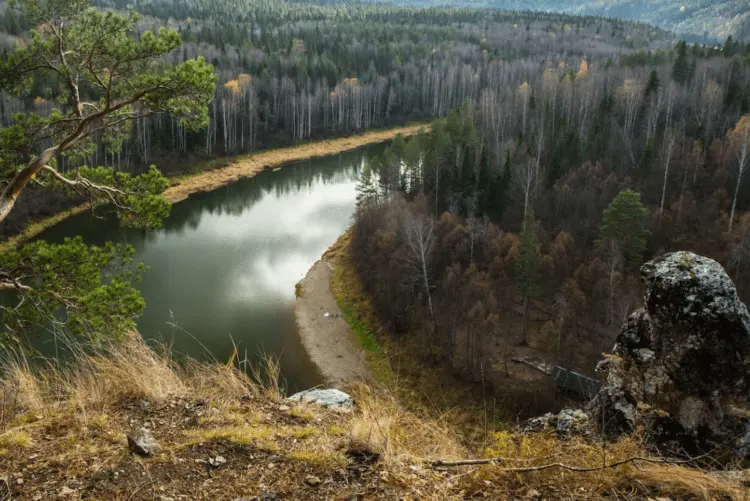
682 362
332 399
141 442
566 423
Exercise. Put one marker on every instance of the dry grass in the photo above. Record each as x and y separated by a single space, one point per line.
35 228
59 424
401 437
678 482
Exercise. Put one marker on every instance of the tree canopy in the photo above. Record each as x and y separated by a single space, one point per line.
625 223
108 78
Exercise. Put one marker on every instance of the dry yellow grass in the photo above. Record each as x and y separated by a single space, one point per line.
37 227
58 424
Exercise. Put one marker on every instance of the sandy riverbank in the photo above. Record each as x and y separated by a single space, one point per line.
327 339
239 167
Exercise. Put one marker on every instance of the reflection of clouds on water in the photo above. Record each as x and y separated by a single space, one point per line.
267 279
226 262
291 232
304 215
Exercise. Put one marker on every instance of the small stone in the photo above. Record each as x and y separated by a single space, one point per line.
217 461
284 408
312 481
66 491
140 441
533 494
19 481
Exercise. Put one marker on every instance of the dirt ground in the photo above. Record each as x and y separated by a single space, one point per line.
327 339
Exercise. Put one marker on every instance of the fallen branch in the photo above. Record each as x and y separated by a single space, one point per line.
562 466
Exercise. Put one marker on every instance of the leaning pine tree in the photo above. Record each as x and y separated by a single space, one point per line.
107 78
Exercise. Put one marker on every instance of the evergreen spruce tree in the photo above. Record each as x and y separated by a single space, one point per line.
625 224
527 268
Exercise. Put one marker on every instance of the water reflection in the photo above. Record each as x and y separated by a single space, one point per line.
224 266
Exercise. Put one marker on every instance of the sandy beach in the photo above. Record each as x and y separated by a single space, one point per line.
327 339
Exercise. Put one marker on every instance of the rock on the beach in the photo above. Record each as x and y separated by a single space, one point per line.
332 398
681 365
140 441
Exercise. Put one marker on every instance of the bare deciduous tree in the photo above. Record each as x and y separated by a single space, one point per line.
419 235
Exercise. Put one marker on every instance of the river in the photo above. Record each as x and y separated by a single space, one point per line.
224 266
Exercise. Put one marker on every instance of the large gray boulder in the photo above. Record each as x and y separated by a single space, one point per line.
681 365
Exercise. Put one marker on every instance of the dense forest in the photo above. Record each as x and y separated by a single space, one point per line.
703 21
517 226
291 72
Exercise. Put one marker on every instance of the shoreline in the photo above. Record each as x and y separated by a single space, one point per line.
239 167
245 166
327 340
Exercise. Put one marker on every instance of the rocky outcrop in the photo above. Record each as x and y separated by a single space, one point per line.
681 365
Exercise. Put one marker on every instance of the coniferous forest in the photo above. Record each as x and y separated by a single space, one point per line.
289 72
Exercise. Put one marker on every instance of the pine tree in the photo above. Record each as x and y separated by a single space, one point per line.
367 190
527 268
625 224
681 72
88 52
653 84
622 236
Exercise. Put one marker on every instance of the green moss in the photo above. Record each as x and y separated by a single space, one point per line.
358 313
685 262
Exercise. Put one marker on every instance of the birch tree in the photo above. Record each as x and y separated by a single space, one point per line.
739 138
420 238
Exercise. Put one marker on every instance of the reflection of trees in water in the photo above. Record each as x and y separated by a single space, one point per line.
232 200
239 197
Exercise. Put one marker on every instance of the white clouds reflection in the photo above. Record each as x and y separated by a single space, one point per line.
254 258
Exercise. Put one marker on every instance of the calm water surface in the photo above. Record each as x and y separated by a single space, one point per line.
224 266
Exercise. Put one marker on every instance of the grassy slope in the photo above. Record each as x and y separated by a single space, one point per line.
221 172
65 432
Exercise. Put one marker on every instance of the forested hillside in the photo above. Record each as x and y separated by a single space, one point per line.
517 227
694 20
289 72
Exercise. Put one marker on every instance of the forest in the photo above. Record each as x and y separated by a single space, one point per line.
517 226
566 151
290 72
